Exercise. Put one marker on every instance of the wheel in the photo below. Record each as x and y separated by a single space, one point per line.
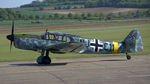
39 60
46 60
128 57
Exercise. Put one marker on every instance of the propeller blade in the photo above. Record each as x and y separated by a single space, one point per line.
12 32
11 37
11 45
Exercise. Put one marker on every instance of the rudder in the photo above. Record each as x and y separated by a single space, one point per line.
133 42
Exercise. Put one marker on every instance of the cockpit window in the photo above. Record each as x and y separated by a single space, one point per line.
68 39
64 38
60 38
57 37
52 37
47 36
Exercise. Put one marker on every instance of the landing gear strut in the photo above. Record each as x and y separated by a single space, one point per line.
44 59
128 56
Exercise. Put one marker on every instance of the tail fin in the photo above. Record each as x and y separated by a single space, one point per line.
133 42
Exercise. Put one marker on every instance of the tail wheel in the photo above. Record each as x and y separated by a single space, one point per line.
128 57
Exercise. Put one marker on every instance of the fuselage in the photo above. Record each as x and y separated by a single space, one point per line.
58 42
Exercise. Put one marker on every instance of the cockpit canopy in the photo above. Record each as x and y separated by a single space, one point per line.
58 36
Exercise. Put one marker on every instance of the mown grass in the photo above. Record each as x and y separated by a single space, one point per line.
28 23
113 33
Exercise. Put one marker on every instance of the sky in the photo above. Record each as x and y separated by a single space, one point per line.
13 3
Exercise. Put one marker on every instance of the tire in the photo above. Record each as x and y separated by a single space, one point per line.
46 60
39 60
128 57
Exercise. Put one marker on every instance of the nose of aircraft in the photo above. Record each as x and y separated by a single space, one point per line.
10 37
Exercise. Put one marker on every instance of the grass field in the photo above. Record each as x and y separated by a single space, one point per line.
28 23
112 33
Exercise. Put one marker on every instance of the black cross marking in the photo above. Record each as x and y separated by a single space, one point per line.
96 45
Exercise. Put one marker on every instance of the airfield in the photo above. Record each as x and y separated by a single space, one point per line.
93 70
78 68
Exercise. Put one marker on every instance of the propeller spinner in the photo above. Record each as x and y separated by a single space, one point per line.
11 36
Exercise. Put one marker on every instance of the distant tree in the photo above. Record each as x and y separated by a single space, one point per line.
37 17
148 12
64 7
35 9
83 15
91 3
120 15
62 17
129 15
41 8
58 8
139 13
11 17
101 16
55 8
110 16
44 17
75 7
77 16
31 17
4 17
96 14
19 15
89 14
56 16
70 15
50 17
82 7
24 17
80 19
68 7
133 14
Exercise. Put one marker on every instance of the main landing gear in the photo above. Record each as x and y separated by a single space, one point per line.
44 59
128 56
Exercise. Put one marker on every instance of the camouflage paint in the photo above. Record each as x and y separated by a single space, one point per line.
76 44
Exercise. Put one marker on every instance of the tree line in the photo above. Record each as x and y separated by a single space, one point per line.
10 14
91 3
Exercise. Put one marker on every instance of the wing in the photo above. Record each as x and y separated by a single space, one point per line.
66 47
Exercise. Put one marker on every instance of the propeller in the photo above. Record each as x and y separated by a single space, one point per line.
11 36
